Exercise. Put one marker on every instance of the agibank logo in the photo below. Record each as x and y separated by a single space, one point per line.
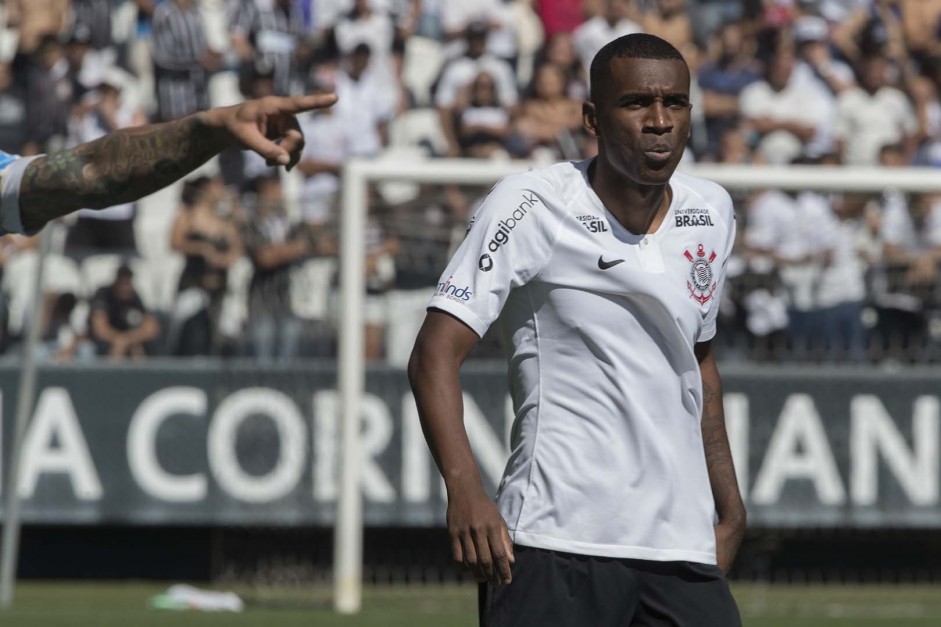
453 292
506 226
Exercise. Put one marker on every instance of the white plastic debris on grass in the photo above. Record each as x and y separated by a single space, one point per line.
183 597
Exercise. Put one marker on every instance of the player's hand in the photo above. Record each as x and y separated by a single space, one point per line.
268 125
728 539
479 537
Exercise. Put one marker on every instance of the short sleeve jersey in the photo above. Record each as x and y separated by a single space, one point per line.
606 451
11 174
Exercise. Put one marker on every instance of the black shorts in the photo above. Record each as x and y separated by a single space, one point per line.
553 589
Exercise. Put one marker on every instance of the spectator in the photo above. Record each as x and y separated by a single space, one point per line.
60 339
35 20
426 229
459 73
843 281
670 20
342 133
95 16
49 95
381 248
362 94
182 59
789 116
119 324
560 51
559 16
812 38
211 244
616 21
872 115
13 113
101 111
275 246
921 23
793 230
907 279
722 81
482 124
497 14
363 25
549 119
926 92
272 30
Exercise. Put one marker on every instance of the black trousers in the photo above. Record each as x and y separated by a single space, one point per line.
553 589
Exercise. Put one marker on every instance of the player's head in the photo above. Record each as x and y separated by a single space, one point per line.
639 109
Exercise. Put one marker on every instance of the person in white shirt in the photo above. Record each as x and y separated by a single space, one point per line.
458 74
594 33
795 231
791 114
342 132
606 276
843 281
497 14
873 115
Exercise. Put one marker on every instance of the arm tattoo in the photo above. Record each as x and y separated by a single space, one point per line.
120 167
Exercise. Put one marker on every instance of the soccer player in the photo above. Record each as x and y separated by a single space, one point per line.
131 163
619 504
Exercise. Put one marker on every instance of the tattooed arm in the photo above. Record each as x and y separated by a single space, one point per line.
129 164
728 500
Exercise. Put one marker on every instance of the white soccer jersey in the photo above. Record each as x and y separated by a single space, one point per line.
606 451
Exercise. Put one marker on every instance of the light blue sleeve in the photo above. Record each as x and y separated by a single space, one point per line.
11 174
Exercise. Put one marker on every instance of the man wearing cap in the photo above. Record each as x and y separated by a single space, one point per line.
812 38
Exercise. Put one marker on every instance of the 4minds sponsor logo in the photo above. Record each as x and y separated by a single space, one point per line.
454 291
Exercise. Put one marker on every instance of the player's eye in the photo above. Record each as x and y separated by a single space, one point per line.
676 102
635 103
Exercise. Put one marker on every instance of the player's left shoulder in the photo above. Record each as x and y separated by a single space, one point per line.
699 196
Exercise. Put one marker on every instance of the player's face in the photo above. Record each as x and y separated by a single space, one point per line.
641 117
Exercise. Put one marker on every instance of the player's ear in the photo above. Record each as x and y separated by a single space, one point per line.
590 118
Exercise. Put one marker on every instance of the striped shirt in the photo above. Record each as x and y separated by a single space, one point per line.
274 30
96 16
179 41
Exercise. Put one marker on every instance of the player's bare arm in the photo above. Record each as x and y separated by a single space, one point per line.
479 536
728 499
129 164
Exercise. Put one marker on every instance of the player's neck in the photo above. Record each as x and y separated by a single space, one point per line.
639 208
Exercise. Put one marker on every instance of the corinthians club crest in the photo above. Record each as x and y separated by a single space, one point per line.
701 283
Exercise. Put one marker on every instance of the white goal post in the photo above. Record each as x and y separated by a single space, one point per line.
358 174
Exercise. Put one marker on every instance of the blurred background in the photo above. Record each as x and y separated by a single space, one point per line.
185 426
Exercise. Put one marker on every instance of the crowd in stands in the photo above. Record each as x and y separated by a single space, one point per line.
243 260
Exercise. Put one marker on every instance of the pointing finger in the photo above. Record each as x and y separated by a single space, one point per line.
297 104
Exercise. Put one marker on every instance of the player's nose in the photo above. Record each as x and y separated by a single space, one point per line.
658 119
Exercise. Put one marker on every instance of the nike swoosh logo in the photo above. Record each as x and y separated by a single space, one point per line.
606 265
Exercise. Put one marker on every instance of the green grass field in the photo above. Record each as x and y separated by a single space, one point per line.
125 605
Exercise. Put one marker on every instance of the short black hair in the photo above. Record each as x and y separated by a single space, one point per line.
634 46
